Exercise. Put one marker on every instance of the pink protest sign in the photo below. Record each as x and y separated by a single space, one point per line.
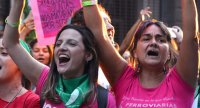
50 16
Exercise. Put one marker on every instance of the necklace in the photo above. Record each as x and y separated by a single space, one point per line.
13 98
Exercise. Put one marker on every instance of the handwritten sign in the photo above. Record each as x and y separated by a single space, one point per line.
50 16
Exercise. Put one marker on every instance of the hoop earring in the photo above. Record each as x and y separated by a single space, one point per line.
138 66
166 68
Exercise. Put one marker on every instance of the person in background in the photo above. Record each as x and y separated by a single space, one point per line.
176 34
151 82
42 53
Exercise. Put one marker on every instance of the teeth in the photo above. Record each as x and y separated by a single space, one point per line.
63 58
63 55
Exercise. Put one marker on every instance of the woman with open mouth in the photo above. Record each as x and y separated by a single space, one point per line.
154 82
42 53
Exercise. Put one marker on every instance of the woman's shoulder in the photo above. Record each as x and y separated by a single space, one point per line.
31 96
31 99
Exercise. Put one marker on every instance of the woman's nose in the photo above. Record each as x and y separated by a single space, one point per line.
41 52
63 47
153 43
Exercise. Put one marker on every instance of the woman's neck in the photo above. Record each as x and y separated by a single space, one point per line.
10 87
151 78
9 91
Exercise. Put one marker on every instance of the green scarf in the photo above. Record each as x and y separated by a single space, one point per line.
25 45
73 91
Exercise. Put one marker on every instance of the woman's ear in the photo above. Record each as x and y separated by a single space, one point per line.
135 55
168 57
88 56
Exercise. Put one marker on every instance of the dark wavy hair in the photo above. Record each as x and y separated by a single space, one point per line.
91 67
173 53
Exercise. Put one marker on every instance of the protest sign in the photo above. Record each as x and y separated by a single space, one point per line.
50 16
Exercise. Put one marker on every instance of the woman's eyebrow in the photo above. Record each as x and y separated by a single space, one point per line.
147 34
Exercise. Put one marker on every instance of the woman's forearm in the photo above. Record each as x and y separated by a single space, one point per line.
190 19
128 40
11 32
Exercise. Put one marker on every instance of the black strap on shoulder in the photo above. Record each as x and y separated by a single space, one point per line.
102 97
41 102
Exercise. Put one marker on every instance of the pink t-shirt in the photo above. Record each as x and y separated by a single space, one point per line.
173 92
111 103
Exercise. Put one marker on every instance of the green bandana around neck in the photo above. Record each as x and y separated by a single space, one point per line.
73 92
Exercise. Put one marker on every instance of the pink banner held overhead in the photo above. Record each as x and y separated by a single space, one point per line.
50 16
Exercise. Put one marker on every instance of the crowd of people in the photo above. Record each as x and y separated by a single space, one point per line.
155 66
